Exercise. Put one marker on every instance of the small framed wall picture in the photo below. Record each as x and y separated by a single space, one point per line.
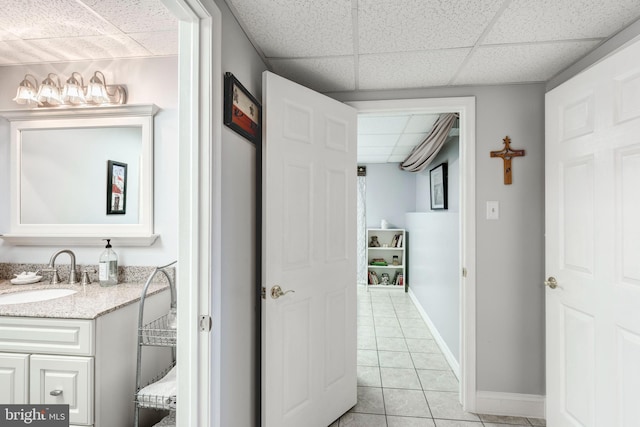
242 112
438 179
116 188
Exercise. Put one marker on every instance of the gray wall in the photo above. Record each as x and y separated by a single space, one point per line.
390 194
510 256
142 78
434 259
239 332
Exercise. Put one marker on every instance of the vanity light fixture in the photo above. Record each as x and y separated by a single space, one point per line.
26 93
51 94
49 91
98 91
73 90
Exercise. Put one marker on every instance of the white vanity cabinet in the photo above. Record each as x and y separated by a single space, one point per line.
89 364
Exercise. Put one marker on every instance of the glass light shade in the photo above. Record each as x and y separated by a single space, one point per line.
49 91
96 90
73 92
26 93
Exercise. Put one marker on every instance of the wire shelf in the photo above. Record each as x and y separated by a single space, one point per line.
155 401
158 333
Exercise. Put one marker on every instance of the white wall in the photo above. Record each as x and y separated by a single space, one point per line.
510 252
147 81
390 194
240 352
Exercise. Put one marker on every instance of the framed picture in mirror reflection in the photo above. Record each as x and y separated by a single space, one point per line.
116 187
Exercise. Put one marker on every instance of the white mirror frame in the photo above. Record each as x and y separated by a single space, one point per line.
140 234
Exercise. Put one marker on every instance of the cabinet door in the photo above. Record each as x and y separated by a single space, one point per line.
14 378
64 380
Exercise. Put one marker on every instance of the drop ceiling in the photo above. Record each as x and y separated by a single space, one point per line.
341 45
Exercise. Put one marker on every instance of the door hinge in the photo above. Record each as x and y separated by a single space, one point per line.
464 272
263 293
205 323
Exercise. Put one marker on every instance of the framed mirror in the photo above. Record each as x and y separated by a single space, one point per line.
73 172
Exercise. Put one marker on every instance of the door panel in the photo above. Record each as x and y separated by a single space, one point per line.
309 226
592 173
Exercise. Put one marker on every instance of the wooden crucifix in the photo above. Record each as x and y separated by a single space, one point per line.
507 154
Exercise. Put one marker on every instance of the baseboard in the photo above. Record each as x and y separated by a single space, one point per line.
455 366
510 404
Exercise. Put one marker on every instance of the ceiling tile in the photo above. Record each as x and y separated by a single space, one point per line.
376 124
408 25
296 28
521 63
411 139
320 74
409 69
371 159
544 20
24 52
421 123
158 42
375 151
37 19
99 47
377 140
396 158
401 151
135 16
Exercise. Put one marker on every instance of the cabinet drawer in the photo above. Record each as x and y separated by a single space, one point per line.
14 376
49 336
63 380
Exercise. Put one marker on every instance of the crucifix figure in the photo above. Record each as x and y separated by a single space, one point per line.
507 154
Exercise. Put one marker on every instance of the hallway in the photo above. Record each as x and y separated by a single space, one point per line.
403 378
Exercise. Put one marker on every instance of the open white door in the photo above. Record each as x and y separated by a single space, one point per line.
309 247
593 245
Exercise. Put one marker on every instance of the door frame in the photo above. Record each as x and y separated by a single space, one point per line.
199 201
466 107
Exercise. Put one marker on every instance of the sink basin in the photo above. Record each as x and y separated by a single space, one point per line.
35 295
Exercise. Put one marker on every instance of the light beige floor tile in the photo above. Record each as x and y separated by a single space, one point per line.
417 332
391 344
352 419
335 424
367 342
369 401
410 403
501 425
499 419
438 380
389 331
434 361
419 345
368 358
395 421
395 359
366 330
369 376
386 321
400 378
444 404
457 423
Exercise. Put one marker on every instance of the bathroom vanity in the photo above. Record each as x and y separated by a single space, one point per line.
78 350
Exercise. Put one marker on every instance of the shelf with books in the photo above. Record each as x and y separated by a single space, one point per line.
386 261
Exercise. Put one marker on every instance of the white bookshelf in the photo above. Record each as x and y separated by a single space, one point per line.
392 252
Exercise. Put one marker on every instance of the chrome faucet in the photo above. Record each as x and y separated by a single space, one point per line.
52 266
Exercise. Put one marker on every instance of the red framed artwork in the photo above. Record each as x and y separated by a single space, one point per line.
242 112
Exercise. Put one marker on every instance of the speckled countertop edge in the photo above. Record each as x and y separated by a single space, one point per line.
89 302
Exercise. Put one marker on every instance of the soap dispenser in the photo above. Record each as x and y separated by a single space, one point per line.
108 266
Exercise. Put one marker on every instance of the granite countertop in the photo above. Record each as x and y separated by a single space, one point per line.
89 302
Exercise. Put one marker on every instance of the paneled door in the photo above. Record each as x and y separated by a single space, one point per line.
593 245
309 256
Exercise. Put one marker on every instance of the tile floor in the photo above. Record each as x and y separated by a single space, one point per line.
403 378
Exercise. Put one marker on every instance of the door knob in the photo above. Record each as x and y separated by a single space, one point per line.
551 282
55 392
276 292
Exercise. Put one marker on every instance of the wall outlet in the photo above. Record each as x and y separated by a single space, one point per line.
493 210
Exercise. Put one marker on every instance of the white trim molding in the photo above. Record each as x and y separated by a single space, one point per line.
510 404
446 351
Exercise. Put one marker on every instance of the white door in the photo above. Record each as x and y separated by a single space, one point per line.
309 238
593 245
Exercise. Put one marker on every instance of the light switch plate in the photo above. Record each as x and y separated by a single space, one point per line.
493 210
